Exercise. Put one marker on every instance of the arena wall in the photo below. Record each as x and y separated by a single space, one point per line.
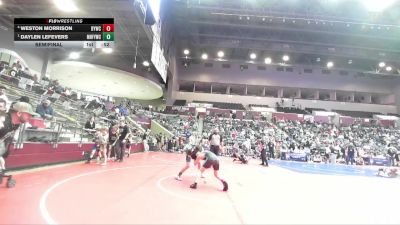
246 100
297 78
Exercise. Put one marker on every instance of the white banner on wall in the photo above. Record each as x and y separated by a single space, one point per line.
201 105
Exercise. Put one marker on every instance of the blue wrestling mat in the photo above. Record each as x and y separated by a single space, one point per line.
326 169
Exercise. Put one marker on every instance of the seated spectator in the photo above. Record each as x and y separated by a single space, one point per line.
17 65
24 99
90 124
123 111
4 97
45 110
35 78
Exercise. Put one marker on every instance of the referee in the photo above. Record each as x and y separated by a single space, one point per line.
215 141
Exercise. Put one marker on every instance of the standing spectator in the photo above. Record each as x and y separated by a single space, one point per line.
170 144
113 139
263 151
271 149
123 139
350 155
4 129
391 153
215 141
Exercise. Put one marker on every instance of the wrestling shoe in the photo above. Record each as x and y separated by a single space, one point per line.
193 186
178 178
225 185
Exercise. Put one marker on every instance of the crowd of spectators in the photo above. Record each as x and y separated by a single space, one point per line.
244 135
183 130
350 144
355 144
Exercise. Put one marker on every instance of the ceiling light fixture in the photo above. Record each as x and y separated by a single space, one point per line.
268 60
146 63
186 52
220 54
285 58
1 3
377 6
253 56
382 64
388 68
350 61
66 5
74 55
204 56
330 64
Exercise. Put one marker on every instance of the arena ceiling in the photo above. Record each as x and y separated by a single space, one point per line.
352 34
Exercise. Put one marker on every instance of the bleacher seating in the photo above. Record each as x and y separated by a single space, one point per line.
14 92
178 124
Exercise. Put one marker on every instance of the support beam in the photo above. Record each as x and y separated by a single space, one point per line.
332 96
298 93
280 93
46 59
316 95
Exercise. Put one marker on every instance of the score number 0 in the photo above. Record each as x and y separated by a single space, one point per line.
108 27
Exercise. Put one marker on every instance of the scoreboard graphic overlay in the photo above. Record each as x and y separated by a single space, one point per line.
64 32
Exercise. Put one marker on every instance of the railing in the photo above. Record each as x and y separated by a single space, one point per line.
57 130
